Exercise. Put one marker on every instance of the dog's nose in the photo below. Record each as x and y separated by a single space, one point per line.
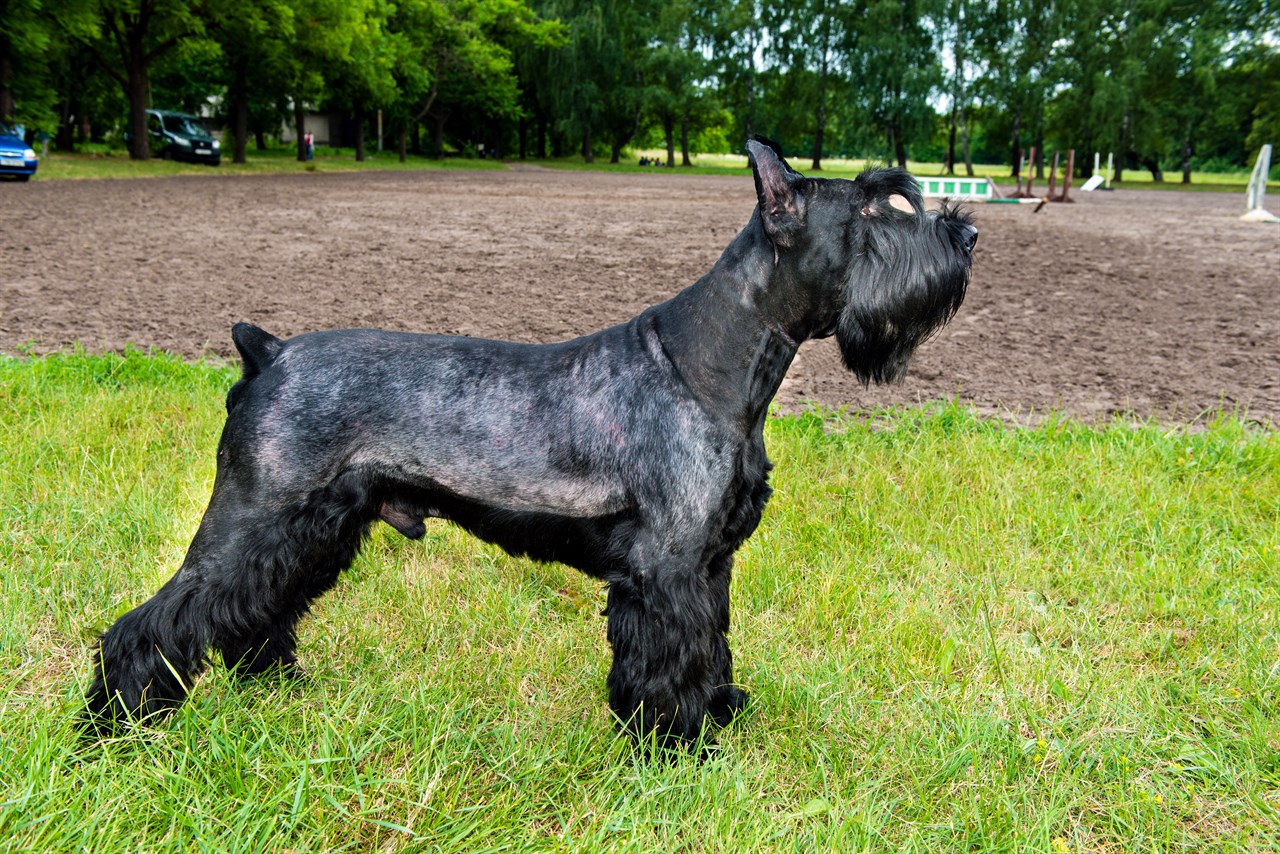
970 238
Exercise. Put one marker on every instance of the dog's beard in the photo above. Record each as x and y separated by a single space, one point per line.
907 285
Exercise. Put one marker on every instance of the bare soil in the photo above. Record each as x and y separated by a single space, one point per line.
1158 304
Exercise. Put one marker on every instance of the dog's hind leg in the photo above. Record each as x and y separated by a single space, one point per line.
662 630
273 649
249 575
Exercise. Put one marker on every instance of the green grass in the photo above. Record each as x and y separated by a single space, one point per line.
958 635
116 164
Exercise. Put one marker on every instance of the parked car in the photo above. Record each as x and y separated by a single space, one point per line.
16 157
179 136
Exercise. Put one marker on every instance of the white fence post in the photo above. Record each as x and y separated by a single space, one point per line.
1255 210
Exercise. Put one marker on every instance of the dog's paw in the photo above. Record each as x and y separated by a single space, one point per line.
277 670
727 702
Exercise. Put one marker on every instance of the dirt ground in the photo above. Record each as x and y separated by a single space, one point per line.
1157 303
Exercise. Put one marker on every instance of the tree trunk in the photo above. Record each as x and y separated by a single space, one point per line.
1123 146
1016 154
542 135
403 142
899 146
524 137
259 139
960 103
951 142
820 114
360 136
136 91
821 132
240 108
751 104
6 84
437 137
1187 150
588 156
1039 164
1153 166
668 130
625 140
684 140
300 128
64 140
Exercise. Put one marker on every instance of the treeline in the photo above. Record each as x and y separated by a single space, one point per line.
1165 84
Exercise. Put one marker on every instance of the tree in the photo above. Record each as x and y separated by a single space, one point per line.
674 68
960 35
809 40
596 85
25 34
1013 44
894 68
255 39
134 34
321 39
38 60
735 35
459 55
363 80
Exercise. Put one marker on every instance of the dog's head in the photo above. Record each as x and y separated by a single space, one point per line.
882 279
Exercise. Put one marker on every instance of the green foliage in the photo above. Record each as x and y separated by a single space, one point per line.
1161 83
959 635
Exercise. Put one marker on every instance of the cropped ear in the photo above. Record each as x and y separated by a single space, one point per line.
782 205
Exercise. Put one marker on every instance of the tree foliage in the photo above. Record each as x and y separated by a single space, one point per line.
1165 84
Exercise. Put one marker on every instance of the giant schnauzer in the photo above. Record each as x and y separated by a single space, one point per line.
635 454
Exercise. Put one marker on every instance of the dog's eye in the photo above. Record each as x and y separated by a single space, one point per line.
870 210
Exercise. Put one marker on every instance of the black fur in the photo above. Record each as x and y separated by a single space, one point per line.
635 454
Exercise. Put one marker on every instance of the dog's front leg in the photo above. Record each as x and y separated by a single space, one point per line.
662 631
727 699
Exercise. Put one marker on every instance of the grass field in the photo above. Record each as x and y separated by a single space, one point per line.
116 164
957 634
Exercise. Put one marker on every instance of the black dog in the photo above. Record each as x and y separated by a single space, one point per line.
635 454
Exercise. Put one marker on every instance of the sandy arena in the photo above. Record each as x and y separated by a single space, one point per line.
1160 304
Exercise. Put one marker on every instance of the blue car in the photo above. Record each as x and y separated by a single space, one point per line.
16 157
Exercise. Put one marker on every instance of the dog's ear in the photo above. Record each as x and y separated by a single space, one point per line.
776 148
782 204
258 348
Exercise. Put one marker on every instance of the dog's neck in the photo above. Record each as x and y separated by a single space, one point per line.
733 333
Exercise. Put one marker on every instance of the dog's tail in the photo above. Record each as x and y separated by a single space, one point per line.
258 349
